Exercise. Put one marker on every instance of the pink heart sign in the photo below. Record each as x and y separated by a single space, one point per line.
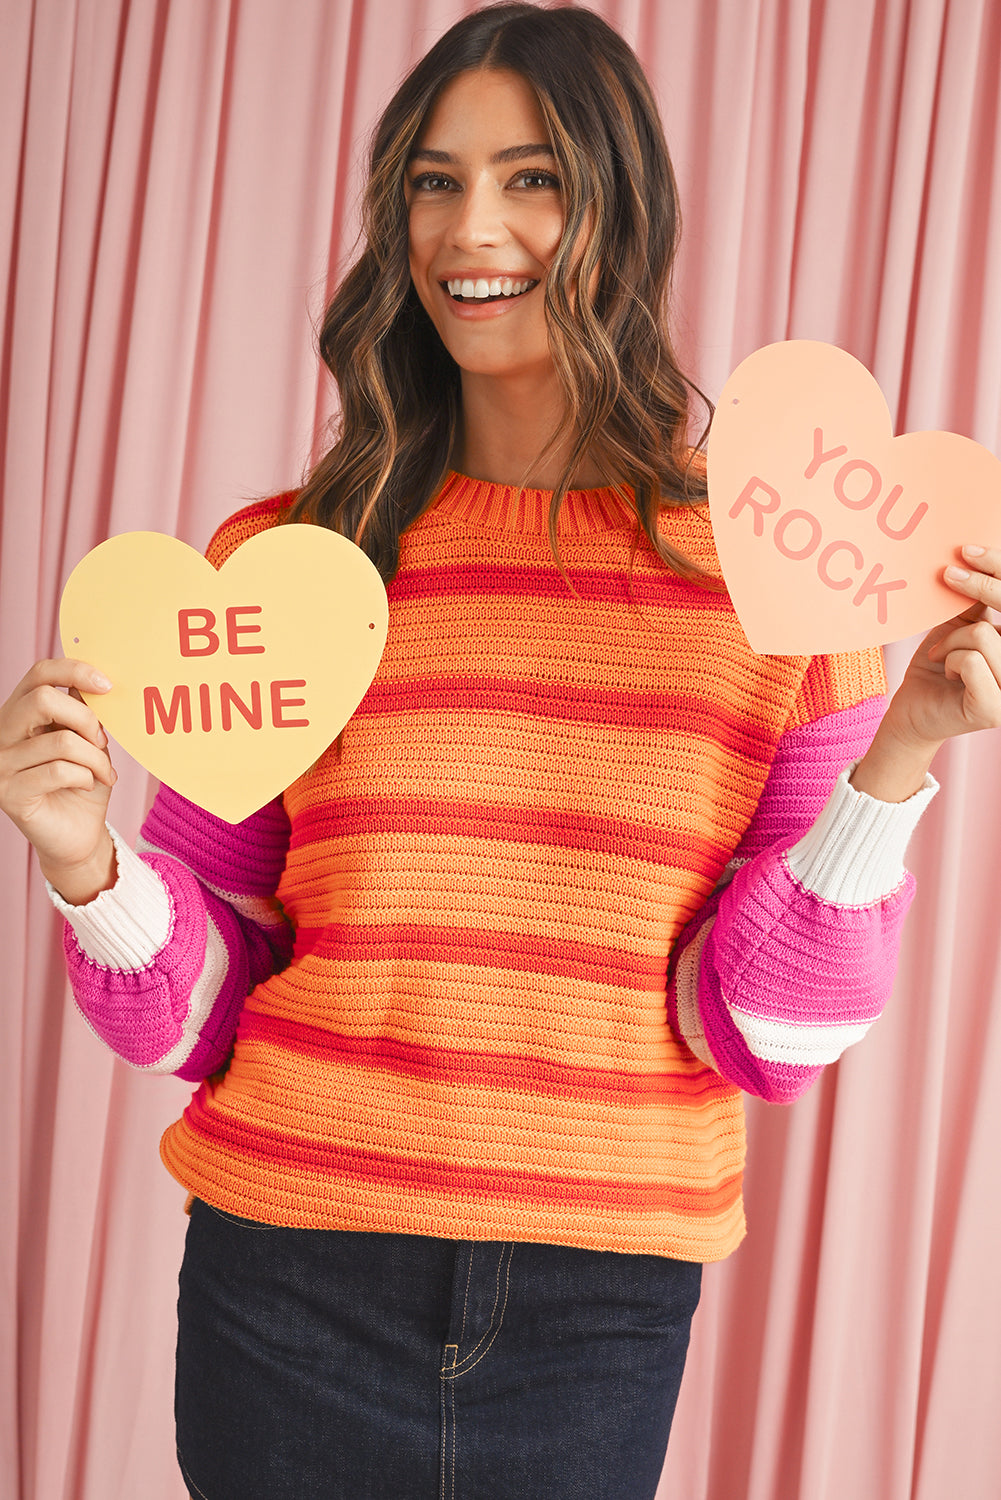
832 533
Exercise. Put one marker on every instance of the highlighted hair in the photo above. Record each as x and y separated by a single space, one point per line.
627 404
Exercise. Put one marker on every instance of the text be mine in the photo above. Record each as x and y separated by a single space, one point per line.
197 636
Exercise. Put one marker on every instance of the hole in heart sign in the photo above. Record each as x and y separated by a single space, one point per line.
230 684
832 534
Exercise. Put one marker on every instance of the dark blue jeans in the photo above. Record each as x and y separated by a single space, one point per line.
314 1363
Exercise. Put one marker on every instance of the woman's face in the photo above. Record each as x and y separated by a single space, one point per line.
486 216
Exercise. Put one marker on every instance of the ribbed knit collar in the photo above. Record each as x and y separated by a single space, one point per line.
486 506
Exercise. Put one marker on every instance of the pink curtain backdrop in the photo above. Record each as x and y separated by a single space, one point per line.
179 189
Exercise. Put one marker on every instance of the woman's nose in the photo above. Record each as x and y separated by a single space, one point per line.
478 218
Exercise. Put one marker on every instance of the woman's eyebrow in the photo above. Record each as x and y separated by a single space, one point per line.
510 153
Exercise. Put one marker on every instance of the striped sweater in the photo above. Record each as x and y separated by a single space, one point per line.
499 965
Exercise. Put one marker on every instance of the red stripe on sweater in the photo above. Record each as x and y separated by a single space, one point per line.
541 826
587 586
530 1075
347 942
276 1148
570 701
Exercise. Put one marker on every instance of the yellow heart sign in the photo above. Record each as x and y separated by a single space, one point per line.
227 684
832 533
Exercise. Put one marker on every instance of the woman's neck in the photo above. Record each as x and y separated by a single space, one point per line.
506 424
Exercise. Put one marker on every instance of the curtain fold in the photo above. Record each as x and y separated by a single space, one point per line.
181 186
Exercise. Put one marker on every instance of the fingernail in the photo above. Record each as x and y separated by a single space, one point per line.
974 551
101 682
957 573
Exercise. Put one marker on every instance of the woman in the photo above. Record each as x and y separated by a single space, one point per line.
471 1007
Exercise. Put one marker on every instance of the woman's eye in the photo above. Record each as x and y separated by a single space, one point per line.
430 182
538 180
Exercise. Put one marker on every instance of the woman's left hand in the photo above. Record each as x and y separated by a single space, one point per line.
952 685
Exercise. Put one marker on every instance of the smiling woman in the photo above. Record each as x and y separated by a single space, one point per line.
485 224
492 163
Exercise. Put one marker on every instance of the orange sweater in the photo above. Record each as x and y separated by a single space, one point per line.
485 880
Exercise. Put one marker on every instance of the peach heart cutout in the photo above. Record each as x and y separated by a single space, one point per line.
807 544
311 599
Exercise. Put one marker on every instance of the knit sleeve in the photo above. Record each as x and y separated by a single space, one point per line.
161 964
794 955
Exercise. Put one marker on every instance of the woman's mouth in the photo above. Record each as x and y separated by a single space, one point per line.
485 289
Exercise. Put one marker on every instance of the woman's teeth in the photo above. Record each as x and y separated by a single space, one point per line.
482 289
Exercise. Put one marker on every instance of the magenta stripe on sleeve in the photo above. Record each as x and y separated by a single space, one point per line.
777 1083
246 859
798 958
808 761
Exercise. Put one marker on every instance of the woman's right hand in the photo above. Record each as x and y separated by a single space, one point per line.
56 776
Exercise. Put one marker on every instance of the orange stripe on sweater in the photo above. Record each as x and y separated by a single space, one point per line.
252 1140
483 1069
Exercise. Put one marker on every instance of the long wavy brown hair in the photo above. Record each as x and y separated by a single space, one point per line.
628 405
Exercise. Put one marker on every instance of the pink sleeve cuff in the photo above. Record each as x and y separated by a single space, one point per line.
160 964
143 1012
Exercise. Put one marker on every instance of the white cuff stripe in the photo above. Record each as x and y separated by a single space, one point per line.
853 855
203 996
802 1046
126 926
686 994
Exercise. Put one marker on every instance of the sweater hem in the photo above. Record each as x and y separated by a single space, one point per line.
287 1206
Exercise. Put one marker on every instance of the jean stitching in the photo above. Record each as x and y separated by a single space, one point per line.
465 1300
236 1221
451 1402
187 1477
469 1363
448 1427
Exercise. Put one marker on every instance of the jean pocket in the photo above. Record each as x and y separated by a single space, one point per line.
480 1299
